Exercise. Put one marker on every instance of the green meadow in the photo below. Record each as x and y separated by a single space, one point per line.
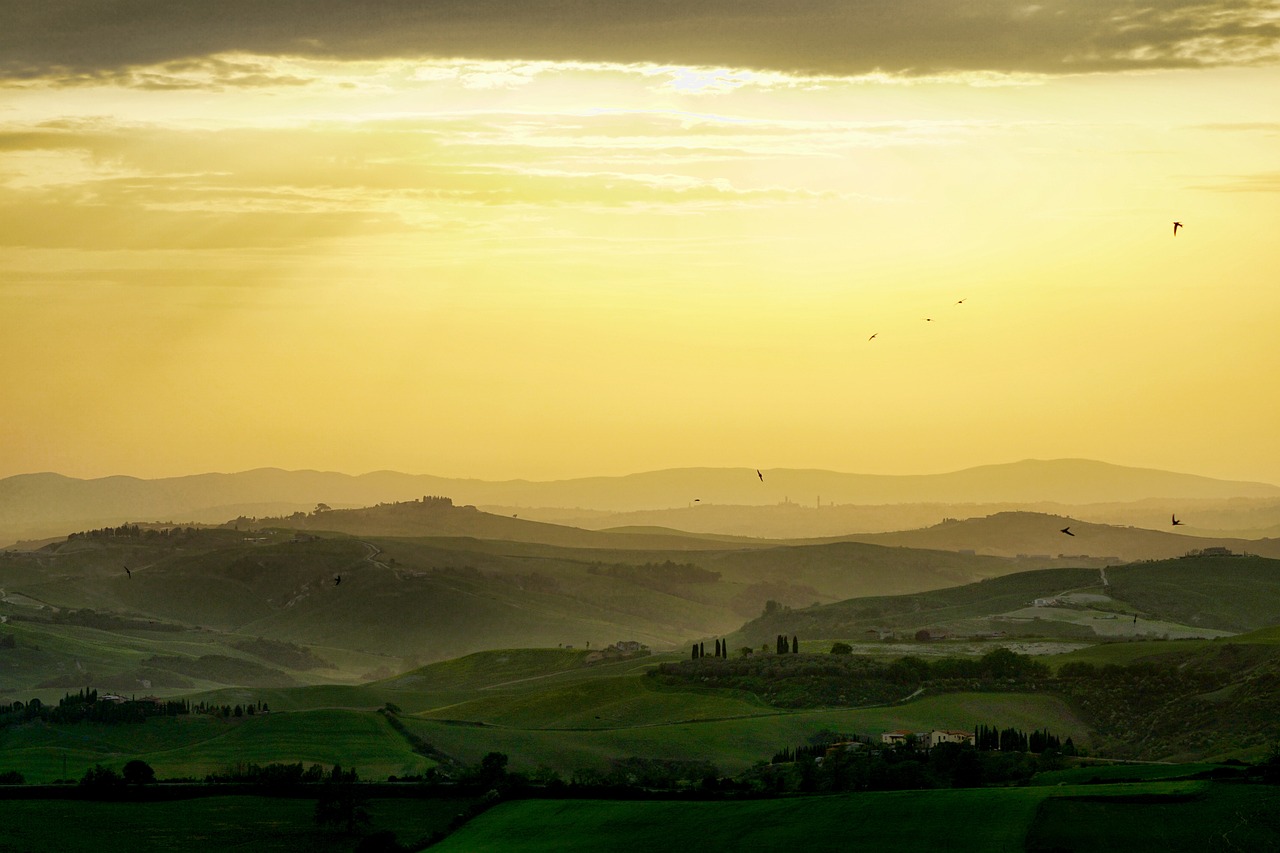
196 745
698 728
987 820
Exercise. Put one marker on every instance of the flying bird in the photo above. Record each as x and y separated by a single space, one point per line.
1067 530
1176 226
1175 520
337 579
697 500
758 474
928 319
960 301
873 337
129 573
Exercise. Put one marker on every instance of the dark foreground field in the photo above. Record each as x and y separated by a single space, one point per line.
1152 816
259 824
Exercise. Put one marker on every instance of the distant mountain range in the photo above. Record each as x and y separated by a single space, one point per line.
35 506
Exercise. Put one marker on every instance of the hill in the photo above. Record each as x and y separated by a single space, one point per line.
182 616
1191 596
1011 533
35 506
1238 518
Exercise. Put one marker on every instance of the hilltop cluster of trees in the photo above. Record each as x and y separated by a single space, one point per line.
133 531
807 680
85 705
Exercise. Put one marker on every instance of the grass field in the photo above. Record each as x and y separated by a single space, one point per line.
194 746
1218 817
734 743
260 824
979 820
1118 772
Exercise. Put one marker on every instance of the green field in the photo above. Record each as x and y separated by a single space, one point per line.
1217 817
196 745
260 824
980 820
734 743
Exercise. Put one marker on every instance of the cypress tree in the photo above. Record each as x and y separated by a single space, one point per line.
795 645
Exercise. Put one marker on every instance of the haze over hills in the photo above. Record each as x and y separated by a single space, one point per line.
34 506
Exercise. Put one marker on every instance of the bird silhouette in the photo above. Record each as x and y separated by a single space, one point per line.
758 474
960 301
873 337
337 579
1176 226
697 500
928 319
1175 520
1067 530
129 573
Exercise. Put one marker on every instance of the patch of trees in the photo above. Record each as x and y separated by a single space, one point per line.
89 618
134 531
647 773
667 577
721 650
418 744
86 706
858 767
284 654
991 739
248 709
768 597
222 668
800 681
272 777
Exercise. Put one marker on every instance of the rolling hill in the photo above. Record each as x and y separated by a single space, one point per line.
1191 596
36 506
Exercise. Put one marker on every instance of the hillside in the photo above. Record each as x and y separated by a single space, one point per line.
1011 533
1204 596
36 506
179 617
439 517
1240 518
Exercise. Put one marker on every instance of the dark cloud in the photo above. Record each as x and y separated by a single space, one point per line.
840 37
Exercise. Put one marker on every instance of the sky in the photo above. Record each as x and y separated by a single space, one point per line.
556 238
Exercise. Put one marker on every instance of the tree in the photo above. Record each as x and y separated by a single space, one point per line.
341 803
493 770
795 644
138 772
841 649
321 508
99 778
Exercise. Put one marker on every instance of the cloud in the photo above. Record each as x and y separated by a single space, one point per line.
71 38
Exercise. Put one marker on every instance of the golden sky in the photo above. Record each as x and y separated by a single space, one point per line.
514 246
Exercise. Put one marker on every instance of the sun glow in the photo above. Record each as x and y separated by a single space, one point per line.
538 268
